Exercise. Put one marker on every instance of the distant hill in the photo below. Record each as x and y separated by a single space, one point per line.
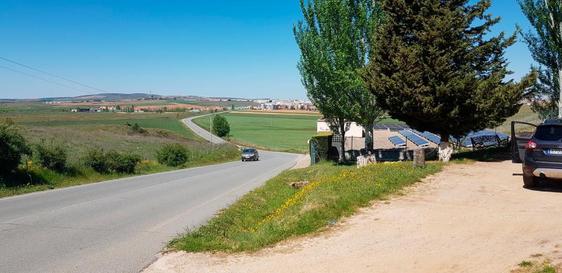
106 97
124 97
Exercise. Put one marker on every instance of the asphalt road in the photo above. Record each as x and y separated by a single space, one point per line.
120 226
202 132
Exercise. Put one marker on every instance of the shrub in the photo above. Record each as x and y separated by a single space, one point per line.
97 159
137 129
12 148
111 161
173 155
51 156
122 163
220 126
323 144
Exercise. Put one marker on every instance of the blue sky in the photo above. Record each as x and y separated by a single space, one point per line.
241 48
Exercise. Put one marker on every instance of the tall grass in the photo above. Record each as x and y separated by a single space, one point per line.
34 178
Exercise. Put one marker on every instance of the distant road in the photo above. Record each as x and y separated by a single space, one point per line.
202 132
119 226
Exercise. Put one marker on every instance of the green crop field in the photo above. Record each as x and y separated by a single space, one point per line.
280 132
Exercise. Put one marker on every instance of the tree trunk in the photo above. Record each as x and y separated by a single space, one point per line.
554 26
560 90
369 137
445 149
342 132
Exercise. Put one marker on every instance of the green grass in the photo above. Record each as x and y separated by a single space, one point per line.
80 132
279 132
164 121
277 211
537 267
40 179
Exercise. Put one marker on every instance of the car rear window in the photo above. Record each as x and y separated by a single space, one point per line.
549 132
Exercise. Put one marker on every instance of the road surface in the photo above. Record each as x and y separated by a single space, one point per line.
202 132
119 226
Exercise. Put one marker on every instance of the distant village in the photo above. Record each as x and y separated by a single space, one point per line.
179 104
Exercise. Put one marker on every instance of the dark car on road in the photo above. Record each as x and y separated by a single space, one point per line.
250 154
540 150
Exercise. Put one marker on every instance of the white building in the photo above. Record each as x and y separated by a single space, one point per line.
354 129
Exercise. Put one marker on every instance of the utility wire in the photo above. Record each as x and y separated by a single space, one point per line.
53 75
37 77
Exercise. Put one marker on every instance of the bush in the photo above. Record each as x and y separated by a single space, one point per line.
173 155
112 161
323 144
12 148
137 129
122 163
51 156
97 159
220 126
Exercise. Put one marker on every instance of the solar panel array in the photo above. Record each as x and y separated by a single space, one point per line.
421 139
391 127
431 137
411 136
397 141
466 141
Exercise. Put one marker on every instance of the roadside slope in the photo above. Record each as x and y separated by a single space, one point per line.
465 219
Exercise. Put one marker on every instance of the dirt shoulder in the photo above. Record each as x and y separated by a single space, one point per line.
469 218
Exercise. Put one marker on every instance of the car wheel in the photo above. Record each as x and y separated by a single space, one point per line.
529 181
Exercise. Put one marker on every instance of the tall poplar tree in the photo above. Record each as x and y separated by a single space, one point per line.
334 41
545 44
436 67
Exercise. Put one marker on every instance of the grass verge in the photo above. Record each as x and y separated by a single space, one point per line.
40 179
277 211
537 267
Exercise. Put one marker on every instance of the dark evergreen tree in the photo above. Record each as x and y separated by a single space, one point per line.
436 67
545 44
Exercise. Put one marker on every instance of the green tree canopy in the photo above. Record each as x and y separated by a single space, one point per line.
545 44
221 127
12 148
334 40
436 67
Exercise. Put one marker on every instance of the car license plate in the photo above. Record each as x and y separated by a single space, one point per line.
556 152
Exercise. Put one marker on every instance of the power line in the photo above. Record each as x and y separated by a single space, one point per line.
53 75
37 77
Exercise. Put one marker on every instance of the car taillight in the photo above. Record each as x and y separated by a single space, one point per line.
531 145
